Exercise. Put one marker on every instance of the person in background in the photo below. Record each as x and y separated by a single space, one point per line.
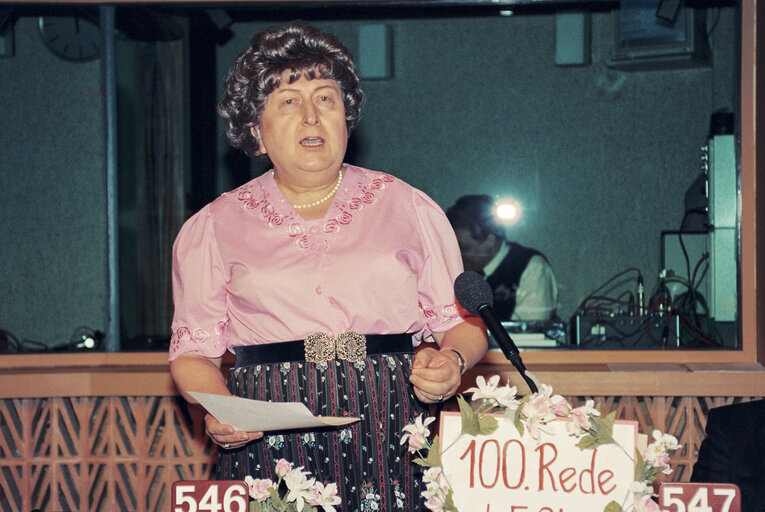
321 277
521 278
734 451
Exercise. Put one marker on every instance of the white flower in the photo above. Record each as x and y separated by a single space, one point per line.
299 486
417 433
668 442
324 496
579 418
504 395
431 475
535 425
641 488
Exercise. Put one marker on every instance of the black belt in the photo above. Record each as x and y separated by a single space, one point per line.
289 351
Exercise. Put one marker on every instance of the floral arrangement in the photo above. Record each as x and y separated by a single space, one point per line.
299 493
533 413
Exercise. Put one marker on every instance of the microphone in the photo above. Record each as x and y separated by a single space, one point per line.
475 295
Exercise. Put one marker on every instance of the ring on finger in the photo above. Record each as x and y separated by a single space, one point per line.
226 445
441 397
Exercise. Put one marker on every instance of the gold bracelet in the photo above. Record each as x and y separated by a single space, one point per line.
460 361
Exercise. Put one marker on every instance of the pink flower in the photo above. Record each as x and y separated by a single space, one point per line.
259 487
646 504
434 503
282 467
560 407
367 198
537 406
580 419
355 203
417 433
182 333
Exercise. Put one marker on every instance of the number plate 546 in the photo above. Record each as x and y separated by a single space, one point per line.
210 496
699 497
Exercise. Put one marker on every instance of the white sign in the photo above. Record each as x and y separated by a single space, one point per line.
504 472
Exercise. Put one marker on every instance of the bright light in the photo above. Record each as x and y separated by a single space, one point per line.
507 211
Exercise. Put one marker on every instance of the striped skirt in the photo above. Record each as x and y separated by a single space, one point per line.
372 470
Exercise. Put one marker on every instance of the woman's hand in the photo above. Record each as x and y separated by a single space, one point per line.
435 374
226 436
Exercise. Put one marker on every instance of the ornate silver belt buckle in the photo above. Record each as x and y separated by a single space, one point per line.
351 346
348 346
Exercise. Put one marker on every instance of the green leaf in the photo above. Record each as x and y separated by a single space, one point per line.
517 420
613 507
639 465
487 425
449 505
587 442
256 506
470 420
421 462
434 455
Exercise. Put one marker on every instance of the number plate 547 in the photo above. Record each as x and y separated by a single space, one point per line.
210 496
699 497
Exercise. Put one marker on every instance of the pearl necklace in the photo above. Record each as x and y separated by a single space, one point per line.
318 201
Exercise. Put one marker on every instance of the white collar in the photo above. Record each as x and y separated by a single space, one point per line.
497 259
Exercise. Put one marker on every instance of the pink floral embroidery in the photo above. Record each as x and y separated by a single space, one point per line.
344 218
200 336
428 312
255 200
302 242
441 314
295 229
331 226
450 311
261 205
183 334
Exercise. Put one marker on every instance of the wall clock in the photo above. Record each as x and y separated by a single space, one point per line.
75 38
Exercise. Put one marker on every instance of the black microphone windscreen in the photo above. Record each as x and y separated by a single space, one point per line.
472 291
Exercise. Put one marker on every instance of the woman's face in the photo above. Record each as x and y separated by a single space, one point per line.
302 126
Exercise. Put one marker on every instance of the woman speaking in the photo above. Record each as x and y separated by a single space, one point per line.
321 277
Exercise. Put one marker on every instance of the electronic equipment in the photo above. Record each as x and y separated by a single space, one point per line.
534 334
625 331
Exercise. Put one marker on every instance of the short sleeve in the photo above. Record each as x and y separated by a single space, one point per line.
200 320
442 265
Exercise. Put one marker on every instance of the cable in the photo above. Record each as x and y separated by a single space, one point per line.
11 338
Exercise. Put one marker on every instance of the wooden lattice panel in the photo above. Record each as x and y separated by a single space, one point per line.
117 453
95 454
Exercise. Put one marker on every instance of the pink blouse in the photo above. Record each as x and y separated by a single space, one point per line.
247 269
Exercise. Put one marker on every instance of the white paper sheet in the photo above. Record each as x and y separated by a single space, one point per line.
260 416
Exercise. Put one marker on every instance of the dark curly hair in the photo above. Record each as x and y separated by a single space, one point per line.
304 51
